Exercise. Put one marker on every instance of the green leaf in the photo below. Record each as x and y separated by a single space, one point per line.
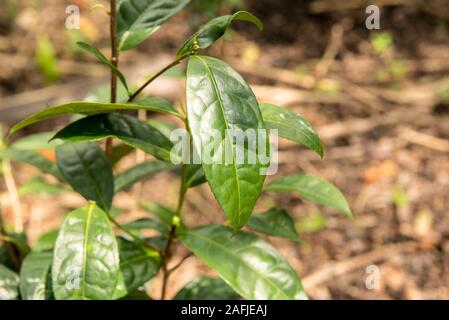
9 284
39 186
214 30
311 223
292 126
19 241
219 101
46 59
164 127
46 241
195 175
137 295
90 48
312 188
206 288
36 141
5 258
86 257
32 158
126 179
86 168
34 275
136 20
251 266
83 107
137 263
163 213
102 93
119 151
120 287
163 105
128 129
147 223
274 222
158 242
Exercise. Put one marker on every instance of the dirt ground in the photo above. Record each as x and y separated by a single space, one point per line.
378 98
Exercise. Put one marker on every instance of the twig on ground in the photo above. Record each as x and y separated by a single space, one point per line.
336 269
424 140
335 43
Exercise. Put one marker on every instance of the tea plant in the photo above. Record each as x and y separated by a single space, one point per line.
85 259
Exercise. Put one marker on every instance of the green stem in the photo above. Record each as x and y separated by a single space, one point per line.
131 234
159 73
114 61
13 254
166 254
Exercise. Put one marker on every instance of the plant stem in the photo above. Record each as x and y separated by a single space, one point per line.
132 235
15 257
166 254
154 77
114 61
13 195
114 51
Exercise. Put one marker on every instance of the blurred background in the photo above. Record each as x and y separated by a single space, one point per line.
378 98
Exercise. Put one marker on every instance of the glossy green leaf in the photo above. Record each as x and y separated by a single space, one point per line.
292 126
137 263
86 168
120 287
97 53
34 275
251 266
137 19
163 105
312 188
36 141
86 257
128 129
32 158
164 127
163 213
9 284
46 241
147 223
126 179
274 222
220 102
213 30
85 108
206 288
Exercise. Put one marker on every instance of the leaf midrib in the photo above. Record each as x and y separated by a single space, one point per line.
304 132
271 283
85 241
303 191
220 102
